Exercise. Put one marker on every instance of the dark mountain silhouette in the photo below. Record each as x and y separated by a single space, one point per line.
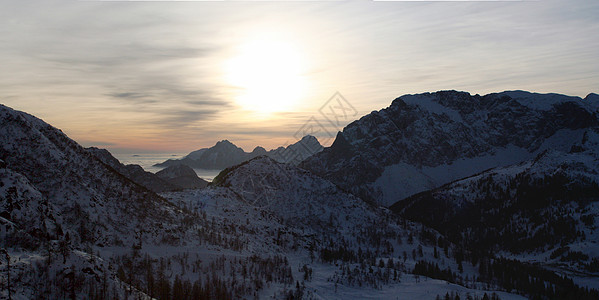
226 154
182 176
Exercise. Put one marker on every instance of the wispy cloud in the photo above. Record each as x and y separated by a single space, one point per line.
129 95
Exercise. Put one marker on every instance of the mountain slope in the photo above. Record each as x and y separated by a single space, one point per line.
134 172
98 205
294 194
426 140
345 231
60 207
75 182
25 215
548 205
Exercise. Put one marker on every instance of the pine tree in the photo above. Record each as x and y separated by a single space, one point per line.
178 288
64 247
3 251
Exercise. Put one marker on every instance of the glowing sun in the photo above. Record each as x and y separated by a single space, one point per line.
268 74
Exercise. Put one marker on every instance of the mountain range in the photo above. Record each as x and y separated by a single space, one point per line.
441 194
225 154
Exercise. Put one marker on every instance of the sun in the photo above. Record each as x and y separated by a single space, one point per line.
268 75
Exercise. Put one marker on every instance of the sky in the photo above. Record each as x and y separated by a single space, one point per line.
172 76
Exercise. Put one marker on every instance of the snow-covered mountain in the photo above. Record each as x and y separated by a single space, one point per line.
295 195
57 199
226 154
424 141
74 181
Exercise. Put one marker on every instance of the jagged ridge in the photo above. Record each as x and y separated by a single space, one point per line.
435 138
226 154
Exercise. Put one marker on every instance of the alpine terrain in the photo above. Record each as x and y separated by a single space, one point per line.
440 195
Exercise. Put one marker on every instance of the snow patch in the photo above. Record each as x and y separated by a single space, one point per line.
400 181
427 103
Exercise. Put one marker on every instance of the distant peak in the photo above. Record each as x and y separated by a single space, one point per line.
453 92
259 149
309 138
224 142
176 170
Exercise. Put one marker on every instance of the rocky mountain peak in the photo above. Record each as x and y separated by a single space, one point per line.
443 136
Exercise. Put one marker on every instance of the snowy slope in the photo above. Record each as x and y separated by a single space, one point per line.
56 198
295 195
547 206
25 213
75 182
314 222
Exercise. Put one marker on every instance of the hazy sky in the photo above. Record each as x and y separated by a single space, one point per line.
178 76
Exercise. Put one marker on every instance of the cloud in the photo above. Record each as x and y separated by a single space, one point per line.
134 59
180 119
129 95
